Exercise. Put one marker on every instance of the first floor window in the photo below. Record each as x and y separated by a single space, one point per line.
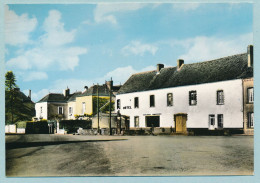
136 103
250 95
220 97
193 97
41 109
220 120
83 107
250 122
136 121
169 99
60 110
118 103
152 102
211 119
70 110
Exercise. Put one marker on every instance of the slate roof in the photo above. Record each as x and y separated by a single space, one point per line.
54 97
227 68
74 96
92 91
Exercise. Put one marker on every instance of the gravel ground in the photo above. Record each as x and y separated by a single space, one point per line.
68 155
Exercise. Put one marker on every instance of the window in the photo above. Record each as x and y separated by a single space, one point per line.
136 104
118 103
136 121
250 122
83 107
220 97
193 97
220 120
152 102
41 110
169 99
211 119
250 95
60 110
70 110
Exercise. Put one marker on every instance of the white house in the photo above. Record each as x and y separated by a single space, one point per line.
205 95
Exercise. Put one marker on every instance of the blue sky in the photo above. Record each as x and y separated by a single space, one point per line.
50 47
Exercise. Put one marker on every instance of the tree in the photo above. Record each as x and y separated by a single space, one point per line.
10 81
10 86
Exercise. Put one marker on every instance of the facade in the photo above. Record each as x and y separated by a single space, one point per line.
208 95
71 106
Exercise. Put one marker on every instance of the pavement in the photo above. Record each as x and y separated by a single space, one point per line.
77 155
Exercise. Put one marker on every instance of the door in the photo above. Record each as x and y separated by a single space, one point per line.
180 123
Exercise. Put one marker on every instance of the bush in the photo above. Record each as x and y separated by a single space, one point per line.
71 126
40 127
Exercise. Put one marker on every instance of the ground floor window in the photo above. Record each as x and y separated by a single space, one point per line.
60 110
137 121
220 120
152 121
250 122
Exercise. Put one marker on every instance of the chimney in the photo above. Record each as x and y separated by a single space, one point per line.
159 68
85 88
66 92
30 94
109 84
250 55
180 62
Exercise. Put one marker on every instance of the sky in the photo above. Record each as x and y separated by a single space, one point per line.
52 47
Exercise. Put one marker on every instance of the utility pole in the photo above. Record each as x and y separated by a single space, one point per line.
110 92
98 107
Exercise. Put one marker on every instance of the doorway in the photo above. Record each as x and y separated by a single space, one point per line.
152 121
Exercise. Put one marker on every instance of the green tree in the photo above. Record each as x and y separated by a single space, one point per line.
10 85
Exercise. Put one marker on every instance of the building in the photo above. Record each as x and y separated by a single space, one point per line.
76 105
210 95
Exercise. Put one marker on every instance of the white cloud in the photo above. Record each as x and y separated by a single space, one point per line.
55 33
185 6
51 49
103 11
34 75
121 74
138 48
208 48
18 28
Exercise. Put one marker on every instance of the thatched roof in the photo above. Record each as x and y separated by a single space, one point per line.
223 69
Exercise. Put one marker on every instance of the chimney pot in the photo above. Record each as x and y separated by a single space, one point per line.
66 92
180 62
250 55
159 67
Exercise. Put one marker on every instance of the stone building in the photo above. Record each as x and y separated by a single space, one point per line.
210 95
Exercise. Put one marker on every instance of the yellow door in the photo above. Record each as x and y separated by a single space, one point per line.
180 123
